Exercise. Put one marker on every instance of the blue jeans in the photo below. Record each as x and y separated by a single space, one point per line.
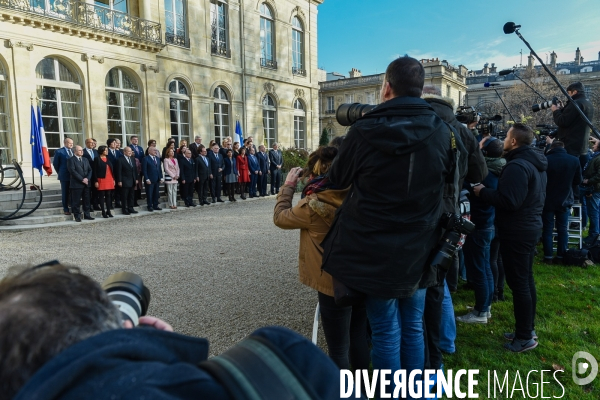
397 332
479 271
448 326
592 209
562 222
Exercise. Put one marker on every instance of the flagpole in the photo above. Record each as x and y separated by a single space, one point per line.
32 169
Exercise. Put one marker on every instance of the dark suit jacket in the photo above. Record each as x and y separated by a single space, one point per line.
230 166
216 164
79 171
99 168
86 154
194 149
253 165
275 158
263 162
202 169
188 170
60 164
126 173
113 159
138 151
152 171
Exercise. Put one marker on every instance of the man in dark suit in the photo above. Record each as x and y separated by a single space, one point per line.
91 154
126 179
152 171
189 176
203 171
138 152
195 147
254 169
216 169
81 176
113 155
61 156
263 164
276 160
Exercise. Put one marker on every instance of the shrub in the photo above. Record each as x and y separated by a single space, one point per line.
293 157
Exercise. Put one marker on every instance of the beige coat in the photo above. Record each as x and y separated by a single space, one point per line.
313 215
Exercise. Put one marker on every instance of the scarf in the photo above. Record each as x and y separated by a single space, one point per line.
316 185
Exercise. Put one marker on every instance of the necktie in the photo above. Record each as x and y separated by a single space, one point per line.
79 159
70 152
135 149
205 161
129 160
154 159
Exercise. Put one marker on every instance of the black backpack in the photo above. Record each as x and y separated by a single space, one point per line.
579 258
594 250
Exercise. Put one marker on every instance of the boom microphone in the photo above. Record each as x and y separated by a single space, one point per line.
506 72
510 27
488 84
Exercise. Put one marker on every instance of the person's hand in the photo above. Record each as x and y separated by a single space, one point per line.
183 182
85 181
293 176
96 184
477 189
136 182
483 141
279 167
585 181
210 176
260 172
121 184
150 321
148 181
220 169
593 140
162 180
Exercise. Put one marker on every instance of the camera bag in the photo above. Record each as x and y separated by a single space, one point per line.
594 249
577 257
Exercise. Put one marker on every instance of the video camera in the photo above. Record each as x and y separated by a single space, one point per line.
467 114
487 126
546 131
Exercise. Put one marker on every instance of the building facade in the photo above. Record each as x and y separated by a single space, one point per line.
158 69
365 89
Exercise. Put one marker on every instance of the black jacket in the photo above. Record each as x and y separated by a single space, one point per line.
396 158
79 170
202 169
572 129
188 170
215 165
126 173
564 172
519 199
99 168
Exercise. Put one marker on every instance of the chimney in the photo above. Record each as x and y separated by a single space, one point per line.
355 73
486 69
493 69
599 56
578 59
553 59
530 62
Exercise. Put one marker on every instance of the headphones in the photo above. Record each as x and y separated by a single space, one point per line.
487 143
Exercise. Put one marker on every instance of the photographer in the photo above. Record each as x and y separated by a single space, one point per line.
397 158
61 338
572 129
591 190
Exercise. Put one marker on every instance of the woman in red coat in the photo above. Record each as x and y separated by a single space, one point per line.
243 171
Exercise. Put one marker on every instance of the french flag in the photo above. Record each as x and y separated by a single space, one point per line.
39 148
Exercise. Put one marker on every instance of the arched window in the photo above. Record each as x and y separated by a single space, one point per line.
299 125
221 114
175 15
123 100
219 43
298 47
179 107
269 113
267 37
6 154
60 95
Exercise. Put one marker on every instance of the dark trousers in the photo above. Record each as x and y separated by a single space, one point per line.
215 185
64 191
152 194
433 321
117 196
262 184
517 257
562 223
497 268
127 198
105 200
78 196
187 192
275 181
94 196
252 185
477 261
345 331
202 190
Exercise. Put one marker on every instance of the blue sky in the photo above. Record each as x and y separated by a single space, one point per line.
369 34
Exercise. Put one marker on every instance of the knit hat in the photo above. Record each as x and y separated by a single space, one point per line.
576 86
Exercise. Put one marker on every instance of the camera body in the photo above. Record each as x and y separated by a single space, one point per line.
348 113
547 131
467 114
455 226
545 105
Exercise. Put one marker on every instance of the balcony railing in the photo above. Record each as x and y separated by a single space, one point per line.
265 62
298 71
219 49
329 111
177 40
89 15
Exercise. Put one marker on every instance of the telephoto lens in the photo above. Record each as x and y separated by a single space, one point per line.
545 105
127 291
348 113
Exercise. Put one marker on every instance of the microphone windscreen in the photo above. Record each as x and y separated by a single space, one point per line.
505 72
487 84
509 28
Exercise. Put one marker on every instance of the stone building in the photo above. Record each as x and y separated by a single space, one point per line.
356 88
158 69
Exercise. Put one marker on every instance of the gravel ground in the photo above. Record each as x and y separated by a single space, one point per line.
217 272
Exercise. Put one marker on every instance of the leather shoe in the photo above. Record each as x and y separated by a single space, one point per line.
125 212
150 209
220 201
89 217
67 213
97 208
157 208
207 203
77 219
136 204
132 211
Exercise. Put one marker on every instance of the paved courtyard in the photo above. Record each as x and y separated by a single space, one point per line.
215 271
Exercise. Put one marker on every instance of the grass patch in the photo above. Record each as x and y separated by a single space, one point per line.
567 321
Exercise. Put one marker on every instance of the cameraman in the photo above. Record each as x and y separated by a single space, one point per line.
572 129
61 338
397 158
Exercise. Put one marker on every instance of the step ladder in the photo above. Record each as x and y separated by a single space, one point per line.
574 229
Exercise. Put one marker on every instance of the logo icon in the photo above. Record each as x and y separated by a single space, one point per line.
590 366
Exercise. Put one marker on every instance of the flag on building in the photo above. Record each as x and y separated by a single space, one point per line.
42 131
239 136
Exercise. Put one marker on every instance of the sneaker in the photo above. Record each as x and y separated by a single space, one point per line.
472 318
520 345
511 335
488 314
587 263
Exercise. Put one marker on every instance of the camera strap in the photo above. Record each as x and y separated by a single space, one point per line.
451 187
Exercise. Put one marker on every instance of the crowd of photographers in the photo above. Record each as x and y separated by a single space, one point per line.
381 220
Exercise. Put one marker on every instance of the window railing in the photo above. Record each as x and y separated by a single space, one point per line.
177 40
219 49
298 71
265 62
89 15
